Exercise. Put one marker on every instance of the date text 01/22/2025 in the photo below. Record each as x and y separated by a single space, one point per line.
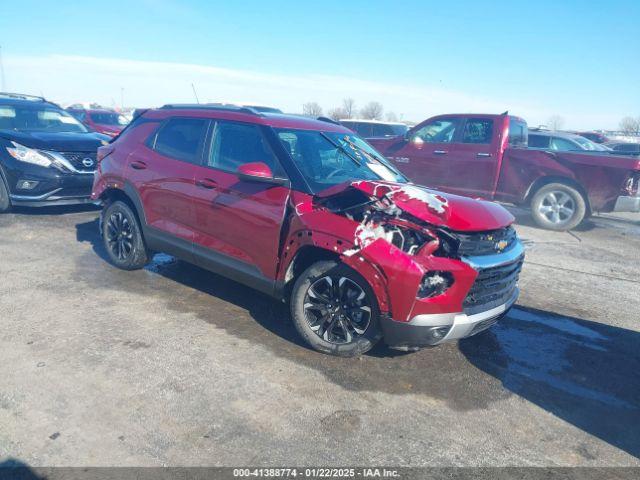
316 472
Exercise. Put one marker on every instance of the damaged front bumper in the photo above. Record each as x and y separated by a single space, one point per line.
496 273
434 329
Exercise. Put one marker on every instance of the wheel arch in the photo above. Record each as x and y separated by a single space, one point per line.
306 256
542 181
128 195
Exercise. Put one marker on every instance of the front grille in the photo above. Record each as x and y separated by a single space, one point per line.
484 243
493 287
78 159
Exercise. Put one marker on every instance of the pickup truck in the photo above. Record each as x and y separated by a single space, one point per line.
486 156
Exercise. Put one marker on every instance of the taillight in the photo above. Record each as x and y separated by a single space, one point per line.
632 185
104 152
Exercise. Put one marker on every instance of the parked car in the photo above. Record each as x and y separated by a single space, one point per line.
102 121
306 211
47 157
595 137
563 142
375 128
624 148
486 156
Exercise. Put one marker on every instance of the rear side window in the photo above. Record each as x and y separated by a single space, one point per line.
518 133
362 129
538 141
478 130
235 144
382 130
629 147
562 145
181 138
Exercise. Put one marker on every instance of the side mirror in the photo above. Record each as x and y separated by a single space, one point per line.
258 172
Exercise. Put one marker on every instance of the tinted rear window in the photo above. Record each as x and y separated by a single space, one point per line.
538 141
181 138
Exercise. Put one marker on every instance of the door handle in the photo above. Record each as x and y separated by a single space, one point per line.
482 154
440 152
207 183
138 165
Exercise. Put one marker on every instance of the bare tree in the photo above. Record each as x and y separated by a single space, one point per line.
349 107
312 109
372 111
630 125
391 117
555 122
338 113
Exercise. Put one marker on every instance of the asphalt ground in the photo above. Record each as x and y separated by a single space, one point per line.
173 365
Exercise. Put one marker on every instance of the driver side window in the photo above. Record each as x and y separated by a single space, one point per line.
437 131
235 144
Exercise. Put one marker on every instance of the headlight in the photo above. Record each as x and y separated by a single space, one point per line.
435 283
29 155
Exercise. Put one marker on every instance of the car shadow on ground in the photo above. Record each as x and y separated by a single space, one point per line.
14 469
583 372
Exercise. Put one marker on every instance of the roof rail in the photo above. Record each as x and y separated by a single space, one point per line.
328 120
22 96
212 106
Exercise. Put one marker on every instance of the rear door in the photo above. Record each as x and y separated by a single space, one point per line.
425 157
162 171
472 170
238 221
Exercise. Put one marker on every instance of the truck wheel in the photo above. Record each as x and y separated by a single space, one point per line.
122 237
558 206
335 310
5 201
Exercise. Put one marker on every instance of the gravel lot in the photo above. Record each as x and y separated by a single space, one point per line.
173 365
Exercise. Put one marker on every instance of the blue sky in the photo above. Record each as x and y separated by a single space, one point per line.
579 60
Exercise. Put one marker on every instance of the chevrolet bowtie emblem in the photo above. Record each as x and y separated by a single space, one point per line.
501 245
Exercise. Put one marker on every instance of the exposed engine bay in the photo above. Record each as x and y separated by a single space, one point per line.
381 218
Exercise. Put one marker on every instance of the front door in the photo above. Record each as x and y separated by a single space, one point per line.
238 221
424 157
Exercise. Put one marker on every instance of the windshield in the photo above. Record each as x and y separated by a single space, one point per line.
38 118
326 159
109 119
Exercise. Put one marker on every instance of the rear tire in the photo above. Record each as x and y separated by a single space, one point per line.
5 201
558 206
122 237
335 310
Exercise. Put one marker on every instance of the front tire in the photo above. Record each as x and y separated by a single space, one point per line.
122 237
335 310
5 201
558 206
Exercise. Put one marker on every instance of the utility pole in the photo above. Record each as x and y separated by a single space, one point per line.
3 83
121 98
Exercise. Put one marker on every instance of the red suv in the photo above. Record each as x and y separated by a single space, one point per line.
307 212
107 122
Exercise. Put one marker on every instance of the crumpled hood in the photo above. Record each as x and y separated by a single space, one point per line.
57 141
436 208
